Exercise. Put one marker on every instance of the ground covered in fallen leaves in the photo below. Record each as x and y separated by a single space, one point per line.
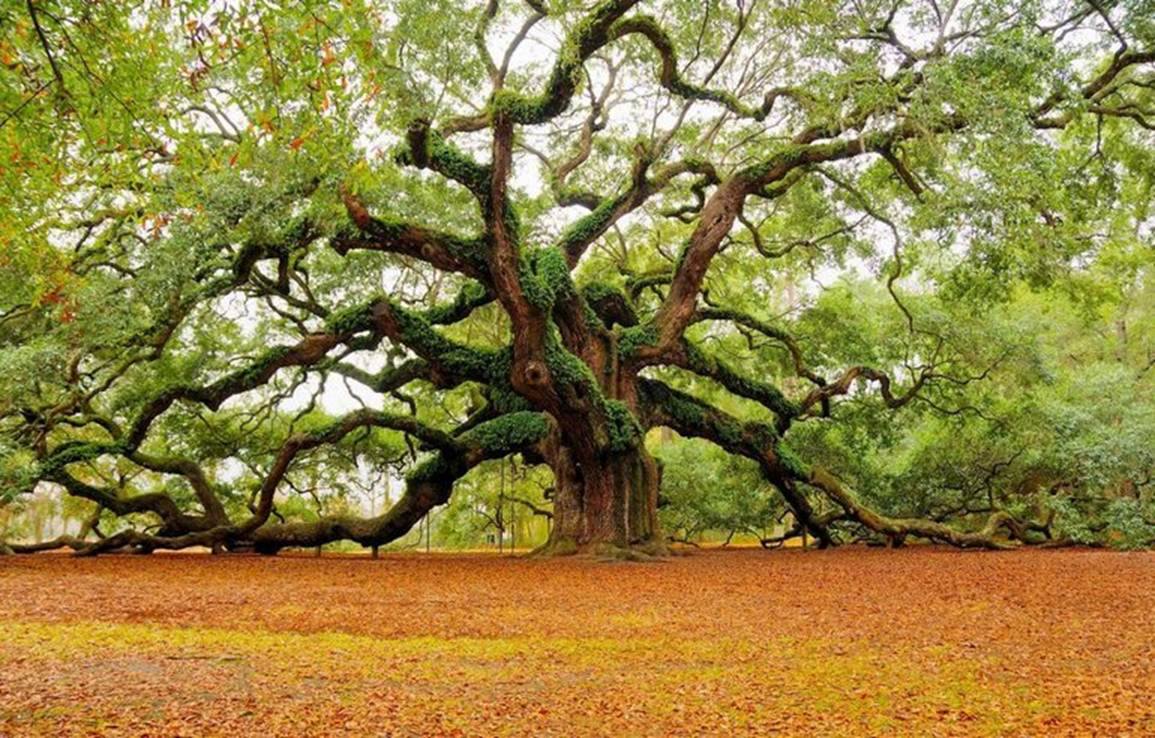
851 642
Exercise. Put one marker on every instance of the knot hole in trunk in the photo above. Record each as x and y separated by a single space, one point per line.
536 374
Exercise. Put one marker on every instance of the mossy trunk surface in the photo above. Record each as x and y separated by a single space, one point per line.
607 506
606 503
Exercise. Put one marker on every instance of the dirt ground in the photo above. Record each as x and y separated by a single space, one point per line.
852 642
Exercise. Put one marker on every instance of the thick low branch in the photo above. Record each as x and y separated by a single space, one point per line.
427 486
157 503
690 357
442 250
332 434
192 472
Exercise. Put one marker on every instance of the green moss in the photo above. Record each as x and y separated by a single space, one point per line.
598 291
593 320
610 304
791 461
349 320
587 36
388 227
468 363
322 434
730 433
508 433
464 362
74 453
439 467
762 392
417 332
533 288
510 104
296 230
468 250
567 369
496 367
251 375
505 400
449 161
553 271
544 277
624 431
761 435
587 228
511 220
472 295
686 414
632 340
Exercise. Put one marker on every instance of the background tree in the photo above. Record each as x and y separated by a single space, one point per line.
535 228
707 490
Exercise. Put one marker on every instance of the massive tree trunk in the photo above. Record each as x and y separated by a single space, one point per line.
605 505
605 493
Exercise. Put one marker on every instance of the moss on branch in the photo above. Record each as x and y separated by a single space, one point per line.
766 394
631 341
545 277
587 36
508 433
449 161
610 304
624 431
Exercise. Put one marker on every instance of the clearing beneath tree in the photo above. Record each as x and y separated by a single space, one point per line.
848 642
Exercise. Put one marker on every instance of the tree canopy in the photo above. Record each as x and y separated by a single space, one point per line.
894 257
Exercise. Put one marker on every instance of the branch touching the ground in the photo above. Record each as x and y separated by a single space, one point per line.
898 528
693 417
429 484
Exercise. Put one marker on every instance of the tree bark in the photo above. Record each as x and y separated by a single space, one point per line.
605 506
605 502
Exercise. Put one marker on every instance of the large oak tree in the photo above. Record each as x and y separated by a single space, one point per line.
518 227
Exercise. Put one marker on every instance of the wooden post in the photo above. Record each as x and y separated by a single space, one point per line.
512 528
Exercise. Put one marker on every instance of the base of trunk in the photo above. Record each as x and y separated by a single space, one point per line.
644 551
